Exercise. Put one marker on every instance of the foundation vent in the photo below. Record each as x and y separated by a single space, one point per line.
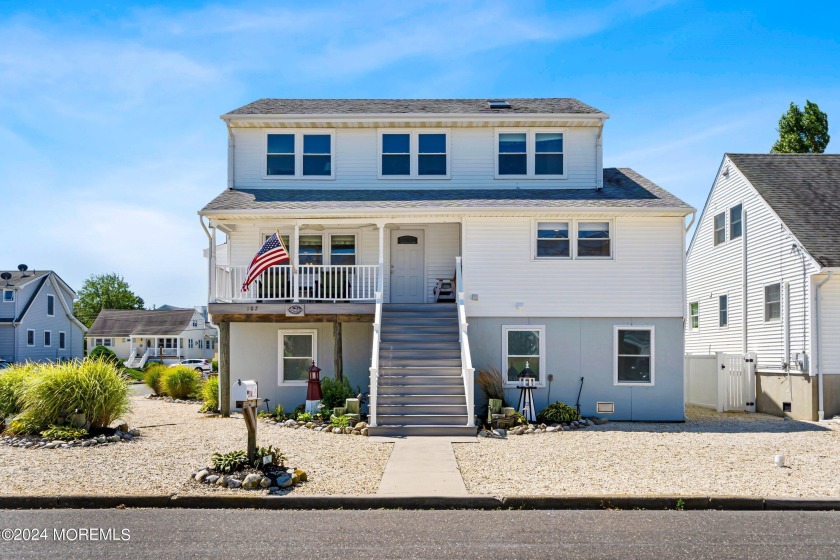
605 407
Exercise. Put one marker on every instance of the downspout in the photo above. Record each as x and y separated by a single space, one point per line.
818 338
211 287
599 157
231 162
744 317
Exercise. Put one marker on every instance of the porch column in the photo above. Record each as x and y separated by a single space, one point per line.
296 261
178 347
224 369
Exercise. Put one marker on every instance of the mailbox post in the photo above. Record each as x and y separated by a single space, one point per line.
247 399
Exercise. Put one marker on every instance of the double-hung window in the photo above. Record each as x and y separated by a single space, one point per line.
720 228
297 352
723 310
772 302
47 339
50 305
62 340
311 249
553 240
634 351
102 342
530 153
414 154
593 240
694 314
343 249
523 345
8 295
30 337
296 154
736 221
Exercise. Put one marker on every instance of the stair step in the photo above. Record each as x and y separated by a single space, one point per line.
419 430
412 409
397 320
409 398
423 336
421 371
422 345
401 380
428 307
396 389
422 419
419 354
419 362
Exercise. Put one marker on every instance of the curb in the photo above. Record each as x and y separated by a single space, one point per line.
374 501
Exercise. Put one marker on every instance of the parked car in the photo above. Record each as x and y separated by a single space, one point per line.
199 365
4 364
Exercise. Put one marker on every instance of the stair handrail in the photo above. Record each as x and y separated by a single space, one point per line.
374 356
467 370
145 358
130 360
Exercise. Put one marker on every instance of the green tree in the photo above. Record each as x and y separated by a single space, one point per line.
802 132
104 291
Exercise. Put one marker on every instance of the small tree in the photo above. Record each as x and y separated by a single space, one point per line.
104 291
802 132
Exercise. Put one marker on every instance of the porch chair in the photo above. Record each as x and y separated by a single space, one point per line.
351 407
498 416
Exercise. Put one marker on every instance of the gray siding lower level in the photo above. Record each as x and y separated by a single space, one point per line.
583 347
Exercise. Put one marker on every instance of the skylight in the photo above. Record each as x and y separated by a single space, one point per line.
498 104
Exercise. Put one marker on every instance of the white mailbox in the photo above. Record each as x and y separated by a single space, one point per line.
243 391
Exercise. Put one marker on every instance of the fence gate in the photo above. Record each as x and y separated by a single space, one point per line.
736 382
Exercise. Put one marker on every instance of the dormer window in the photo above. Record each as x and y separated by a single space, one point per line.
411 154
530 154
300 155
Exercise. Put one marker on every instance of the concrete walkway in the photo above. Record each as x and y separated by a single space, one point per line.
423 466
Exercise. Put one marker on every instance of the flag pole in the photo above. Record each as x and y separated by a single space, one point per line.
291 261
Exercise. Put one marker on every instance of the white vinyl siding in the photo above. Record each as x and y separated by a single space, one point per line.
771 260
830 324
356 161
644 279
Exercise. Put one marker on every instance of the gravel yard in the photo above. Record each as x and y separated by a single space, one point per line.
711 454
161 460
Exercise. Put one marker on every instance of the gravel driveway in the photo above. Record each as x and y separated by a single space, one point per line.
710 454
161 460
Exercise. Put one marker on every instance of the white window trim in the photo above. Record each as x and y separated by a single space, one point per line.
764 302
28 332
714 228
691 327
8 292
413 153
60 335
508 328
50 297
530 150
299 134
280 335
45 339
726 326
328 254
652 330
573 239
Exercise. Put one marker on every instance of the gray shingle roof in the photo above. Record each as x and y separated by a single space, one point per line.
804 190
124 323
560 105
19 278
623 188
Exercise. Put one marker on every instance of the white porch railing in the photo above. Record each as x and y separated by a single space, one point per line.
467 370
311 283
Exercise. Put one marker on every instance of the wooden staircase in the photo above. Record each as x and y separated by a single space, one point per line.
421 388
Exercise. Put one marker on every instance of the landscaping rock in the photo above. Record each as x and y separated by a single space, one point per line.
348 430
265 482
284 481
201 475
290 423
551 429
212 479
328 429
301 475
222 481
364 431
251 481
234 483
356 432
360 426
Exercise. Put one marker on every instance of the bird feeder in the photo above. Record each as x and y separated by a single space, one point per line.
527 382
313 389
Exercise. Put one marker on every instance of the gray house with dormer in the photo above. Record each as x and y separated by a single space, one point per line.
36 318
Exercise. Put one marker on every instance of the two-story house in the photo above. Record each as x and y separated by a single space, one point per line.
36 317
430 238
761 279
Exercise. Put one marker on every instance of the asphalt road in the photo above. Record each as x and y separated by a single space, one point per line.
222 534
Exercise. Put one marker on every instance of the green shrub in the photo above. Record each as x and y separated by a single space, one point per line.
13 382
24 425
229 462
133 374
335 392
180 382
93 387
152 377
210 394
105 354
214 365
339 421
299 409
278 412
277 458
304 417
66 433
558 412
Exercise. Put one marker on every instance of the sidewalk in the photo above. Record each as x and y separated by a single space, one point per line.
423 465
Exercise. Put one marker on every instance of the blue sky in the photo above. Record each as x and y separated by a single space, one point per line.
109 125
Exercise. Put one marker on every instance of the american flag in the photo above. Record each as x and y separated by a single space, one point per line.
272 252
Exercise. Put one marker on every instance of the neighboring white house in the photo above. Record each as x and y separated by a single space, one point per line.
388 206
36 317
767 247
166 335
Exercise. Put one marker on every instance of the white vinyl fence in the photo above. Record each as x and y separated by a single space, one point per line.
725 382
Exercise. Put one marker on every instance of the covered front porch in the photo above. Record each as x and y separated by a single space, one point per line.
340 261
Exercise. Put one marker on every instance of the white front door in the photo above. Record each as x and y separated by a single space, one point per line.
408 277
